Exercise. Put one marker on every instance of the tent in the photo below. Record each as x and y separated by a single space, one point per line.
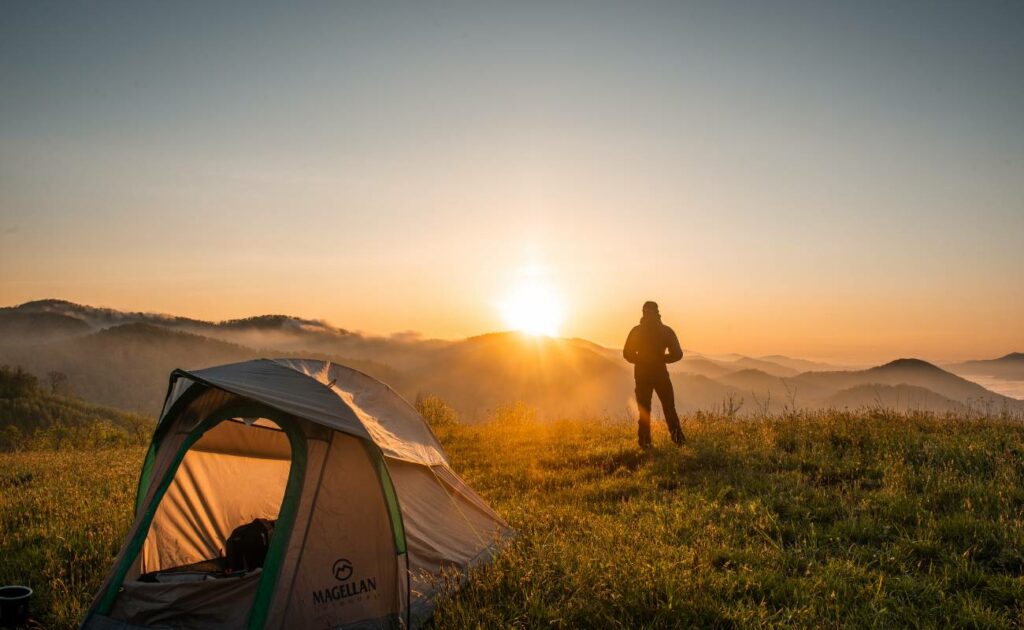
368 518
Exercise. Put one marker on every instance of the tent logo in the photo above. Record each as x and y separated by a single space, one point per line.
342 569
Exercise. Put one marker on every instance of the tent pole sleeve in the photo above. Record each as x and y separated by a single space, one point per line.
145 476
135 544
394 511
283 528
162 426
395 514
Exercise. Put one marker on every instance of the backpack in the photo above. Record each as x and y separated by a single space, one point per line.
246 548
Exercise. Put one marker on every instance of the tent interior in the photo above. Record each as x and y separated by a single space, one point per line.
234 474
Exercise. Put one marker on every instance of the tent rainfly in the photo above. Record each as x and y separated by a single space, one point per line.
365 517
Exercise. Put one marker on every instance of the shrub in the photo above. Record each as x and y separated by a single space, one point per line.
436 411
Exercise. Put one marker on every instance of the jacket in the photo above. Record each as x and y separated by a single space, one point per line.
651 346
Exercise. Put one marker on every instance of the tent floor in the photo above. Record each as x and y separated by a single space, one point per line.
214 568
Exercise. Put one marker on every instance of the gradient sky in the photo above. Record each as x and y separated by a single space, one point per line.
840 181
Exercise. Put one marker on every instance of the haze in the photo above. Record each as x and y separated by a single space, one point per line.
838 181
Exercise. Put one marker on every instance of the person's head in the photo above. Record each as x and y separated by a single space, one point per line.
651 308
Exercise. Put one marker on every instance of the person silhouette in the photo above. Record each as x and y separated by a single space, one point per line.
650 347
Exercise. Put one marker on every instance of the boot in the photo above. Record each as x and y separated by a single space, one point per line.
678 438
644 435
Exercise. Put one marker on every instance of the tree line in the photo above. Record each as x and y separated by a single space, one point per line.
39 415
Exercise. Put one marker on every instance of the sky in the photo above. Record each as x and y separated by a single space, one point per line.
829 180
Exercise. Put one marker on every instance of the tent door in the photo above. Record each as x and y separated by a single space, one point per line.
245 461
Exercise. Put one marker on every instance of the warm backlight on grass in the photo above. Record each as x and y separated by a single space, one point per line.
534 309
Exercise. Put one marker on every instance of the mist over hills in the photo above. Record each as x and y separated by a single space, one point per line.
559 376
798 365
282 333
17 326
893 397
1004 375
1009 367
905 372
123 359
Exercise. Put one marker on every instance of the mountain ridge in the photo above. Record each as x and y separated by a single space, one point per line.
122 359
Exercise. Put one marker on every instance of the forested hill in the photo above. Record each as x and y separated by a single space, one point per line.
34 415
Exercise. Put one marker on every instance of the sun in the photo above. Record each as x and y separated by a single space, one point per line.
534 309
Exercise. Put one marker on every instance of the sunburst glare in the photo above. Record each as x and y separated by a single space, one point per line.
533 308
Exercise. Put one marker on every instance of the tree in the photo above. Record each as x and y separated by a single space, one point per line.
58 382
16 383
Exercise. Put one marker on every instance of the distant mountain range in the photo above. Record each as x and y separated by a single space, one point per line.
1004 375
1010 367
123 359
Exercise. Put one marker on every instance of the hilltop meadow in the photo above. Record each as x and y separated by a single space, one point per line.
810 519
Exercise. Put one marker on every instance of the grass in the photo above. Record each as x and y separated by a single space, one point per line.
63 516
807 521
826 520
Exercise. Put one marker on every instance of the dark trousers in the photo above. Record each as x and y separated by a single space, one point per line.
646 385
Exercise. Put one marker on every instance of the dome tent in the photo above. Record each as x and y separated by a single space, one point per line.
367 512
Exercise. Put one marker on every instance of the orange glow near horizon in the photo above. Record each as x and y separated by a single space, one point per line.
717 312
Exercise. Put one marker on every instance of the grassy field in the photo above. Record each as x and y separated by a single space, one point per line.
848 520
63 516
